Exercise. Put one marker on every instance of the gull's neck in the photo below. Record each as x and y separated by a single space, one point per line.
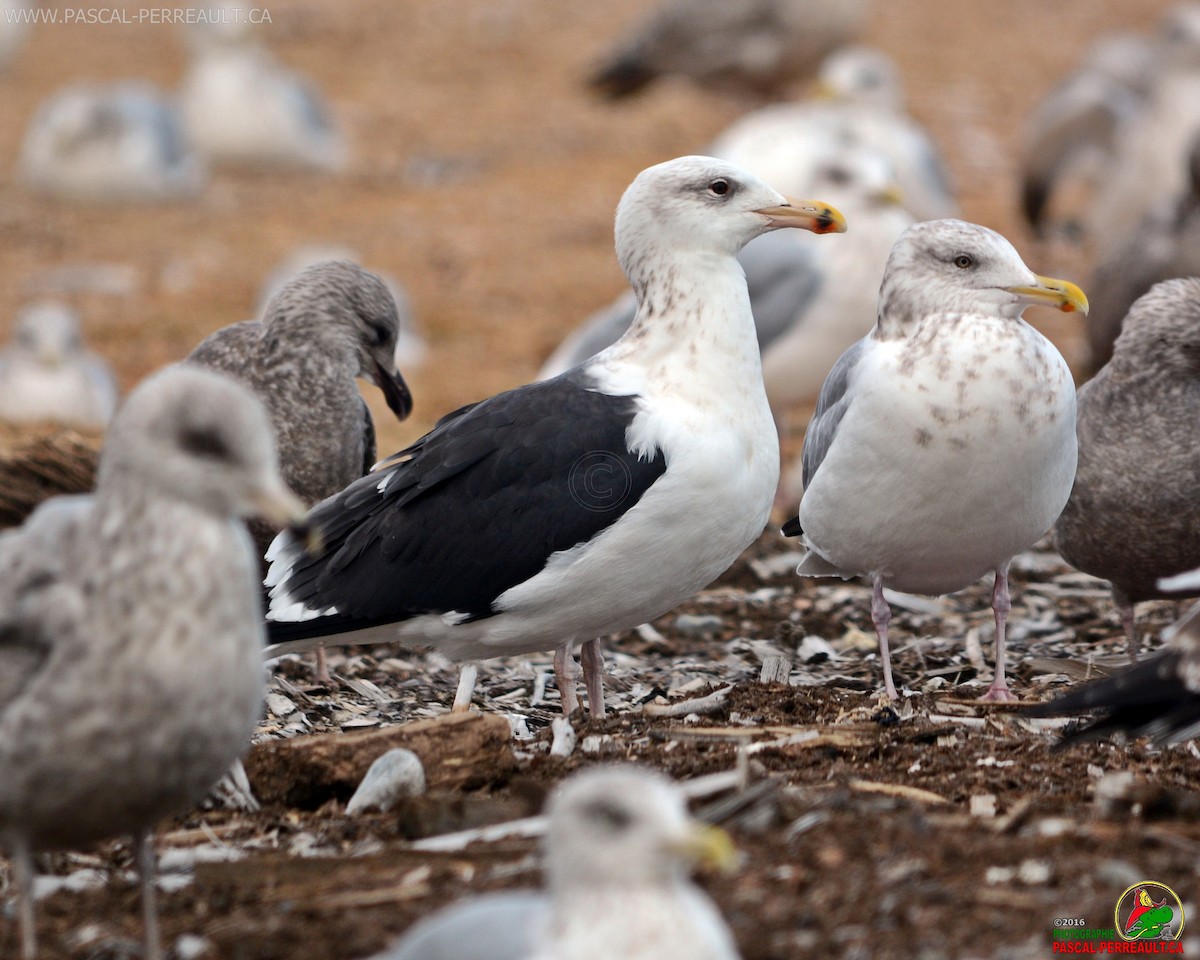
694 312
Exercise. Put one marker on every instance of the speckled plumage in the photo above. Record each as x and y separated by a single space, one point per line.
616 849
943 442
332 323
133 620
1134 516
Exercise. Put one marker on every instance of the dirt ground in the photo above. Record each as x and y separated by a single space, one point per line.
485 178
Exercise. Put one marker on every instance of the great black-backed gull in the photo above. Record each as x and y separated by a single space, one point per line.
1139 456
576 507
616 853
130 661
944 442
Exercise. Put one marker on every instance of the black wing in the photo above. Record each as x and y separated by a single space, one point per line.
471 509
1155 698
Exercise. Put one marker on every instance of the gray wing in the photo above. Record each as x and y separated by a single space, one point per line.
499 926
831 408
35 604
782 278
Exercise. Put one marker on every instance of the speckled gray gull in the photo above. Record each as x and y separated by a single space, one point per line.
573 508
113 143
1164 246
861 102
411 348
1134 516
1157 698
47 375
130 629
751 48
241 107
943 442
616 854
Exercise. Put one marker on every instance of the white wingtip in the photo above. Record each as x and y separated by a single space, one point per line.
1181 581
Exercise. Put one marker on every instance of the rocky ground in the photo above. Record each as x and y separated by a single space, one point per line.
485 179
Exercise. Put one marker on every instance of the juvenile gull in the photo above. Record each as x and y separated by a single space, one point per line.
1133 516
944 441
327 326
1157 698
569 509
46 373
130 629
747 47
616 853
114 143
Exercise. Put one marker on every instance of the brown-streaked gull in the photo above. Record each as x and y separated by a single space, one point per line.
573 508
113 143
327 326
1164 246
752 48
1133 516
943 442
48 375
1157 698
241 107
861 103
130 629
616 853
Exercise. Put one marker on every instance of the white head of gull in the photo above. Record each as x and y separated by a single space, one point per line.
944 441
130 629
617 850
580 506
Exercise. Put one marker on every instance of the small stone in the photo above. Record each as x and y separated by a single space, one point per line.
393 776
563 744
699 625
983 805
279 705
1035 873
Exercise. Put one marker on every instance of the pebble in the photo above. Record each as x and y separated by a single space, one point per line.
394 775
698 624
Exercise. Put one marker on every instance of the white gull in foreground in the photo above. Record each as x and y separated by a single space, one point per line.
570 509
616 853
130 629
943 442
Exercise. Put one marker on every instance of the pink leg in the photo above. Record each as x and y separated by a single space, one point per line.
321 675
881 613
144 850
564 678
592 659
1129 622
1001 604
22 873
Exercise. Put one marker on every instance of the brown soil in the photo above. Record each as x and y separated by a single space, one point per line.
485 180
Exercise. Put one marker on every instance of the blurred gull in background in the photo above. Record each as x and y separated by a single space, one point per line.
748 47
47 375
109 143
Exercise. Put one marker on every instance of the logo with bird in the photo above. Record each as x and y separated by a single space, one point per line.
1149 910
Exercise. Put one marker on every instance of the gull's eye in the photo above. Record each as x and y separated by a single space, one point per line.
609 816
720 187
964 262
